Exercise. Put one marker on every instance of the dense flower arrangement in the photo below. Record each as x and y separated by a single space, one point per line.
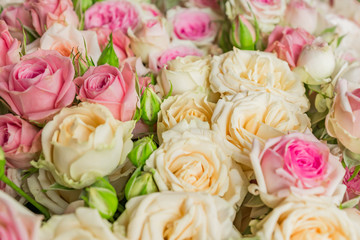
179 119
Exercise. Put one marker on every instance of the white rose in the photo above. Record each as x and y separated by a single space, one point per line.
84 142
194 158
238 71
308 218
85 223
243 117
186 106
173 215
351 75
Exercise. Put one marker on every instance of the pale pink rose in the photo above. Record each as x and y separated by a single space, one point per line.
108 86
149 11
288 43
197 25
20 141
343 120
13 15
16 221
39 86
15 176
121 42
299 14
9 46
206 3
297 164
45 13
113 15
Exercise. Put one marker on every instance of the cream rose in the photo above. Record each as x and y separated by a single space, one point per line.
84 142
193 158
308 218
186 106
173 215
85 223
240 70
255 115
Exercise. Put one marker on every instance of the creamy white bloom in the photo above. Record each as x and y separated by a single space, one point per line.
238 71
193 158
245 116
84 142
174 215
351 75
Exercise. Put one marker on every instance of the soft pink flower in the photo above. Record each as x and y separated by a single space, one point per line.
13 16
297 164
20 141
113 15
16 221
108 86
149 11
300 14
45 13
288 43
353 186
9 47
39 86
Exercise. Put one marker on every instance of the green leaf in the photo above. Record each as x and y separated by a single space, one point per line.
57 186
351 159
328 30
350 203
356 172
340 40
170 91
108 56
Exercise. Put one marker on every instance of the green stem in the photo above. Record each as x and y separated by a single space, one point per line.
41 208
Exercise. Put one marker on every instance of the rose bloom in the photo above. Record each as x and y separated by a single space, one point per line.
308 218
351 75
196 25
16 221
10 47
173 215
149 11
299 164
19 140
343 118
84 142
193 158
15 176
255 115
353 186
113 15
108 86
299 14
238 71
84 223
39 85
45 13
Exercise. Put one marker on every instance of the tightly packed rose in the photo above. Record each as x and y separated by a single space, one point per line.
353 185
343 119
13 16
299 164
15 176
10 47
16 221
108 86
193 158
237 71
153 38
189 105
299 14
19 140
193 24
84 142
184 74
308 218
255 115
84 223
113 15
45 13
173 215
288 43
39 86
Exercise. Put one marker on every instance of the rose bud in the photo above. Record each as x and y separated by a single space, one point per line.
141 151
150 106
242 34
140 183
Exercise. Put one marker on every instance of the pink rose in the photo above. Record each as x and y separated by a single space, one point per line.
288 43
39 86
206 3
13 15
343 120
353 186
9 46
300 14
297 164
20 141
112 15
108 86
149 11
16 221
45 13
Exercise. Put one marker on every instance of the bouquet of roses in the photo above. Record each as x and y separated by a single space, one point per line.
179 119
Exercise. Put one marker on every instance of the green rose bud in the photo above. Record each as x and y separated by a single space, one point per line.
242 34
101 196
140 183
108 55
83 4
141 151
150 106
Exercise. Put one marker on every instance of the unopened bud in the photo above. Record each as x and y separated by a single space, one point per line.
242 34
140 183
150 106
141 151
